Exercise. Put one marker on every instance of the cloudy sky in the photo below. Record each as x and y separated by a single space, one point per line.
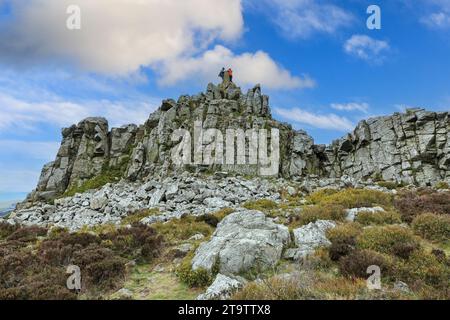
321 65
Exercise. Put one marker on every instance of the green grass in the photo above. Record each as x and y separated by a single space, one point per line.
107 175
146 284
352 198
136 217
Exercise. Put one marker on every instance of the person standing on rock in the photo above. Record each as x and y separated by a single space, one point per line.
222 73
230 73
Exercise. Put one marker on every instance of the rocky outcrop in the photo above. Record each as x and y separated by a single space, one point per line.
412 147
244 240
308 238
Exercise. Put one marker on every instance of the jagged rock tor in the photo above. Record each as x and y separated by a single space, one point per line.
411 147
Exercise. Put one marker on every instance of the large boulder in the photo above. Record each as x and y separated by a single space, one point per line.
243 241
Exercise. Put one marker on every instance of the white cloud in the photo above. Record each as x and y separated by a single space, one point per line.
249 69
24 115
366 48
321 121
363 107
439 20
304 18
438 14
117 36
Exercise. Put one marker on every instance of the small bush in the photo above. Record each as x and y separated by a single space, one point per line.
209 219
136 217
344 231
274 288
341 248
413 203
308 286
440 255
423 268
356 263
193 278
318 196
388 239
442 185
140 242
106 272
27 234
221 214
182 229
319 212
261 205
432 227
352 198
389 185
343 240
7 229
378 218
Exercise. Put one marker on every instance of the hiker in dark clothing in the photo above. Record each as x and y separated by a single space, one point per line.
222 74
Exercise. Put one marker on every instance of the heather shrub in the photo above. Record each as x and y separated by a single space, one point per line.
423 268
308 286
182 229
442 185
209 219
274 288
388 239
194 278
137 216
343 240
27 234
319 212
378 218
138 242
413 203
221 214
352 198
344 231
440 255
391 185
261 205
356 263
7 229
432 226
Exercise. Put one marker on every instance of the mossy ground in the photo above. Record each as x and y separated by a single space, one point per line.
147 284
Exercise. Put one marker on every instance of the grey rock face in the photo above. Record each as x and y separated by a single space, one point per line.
242 241
411 147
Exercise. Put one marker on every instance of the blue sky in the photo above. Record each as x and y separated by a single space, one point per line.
322 67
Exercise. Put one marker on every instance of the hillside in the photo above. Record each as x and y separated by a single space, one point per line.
145 216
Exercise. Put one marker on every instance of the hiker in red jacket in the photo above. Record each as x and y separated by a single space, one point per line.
230 73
